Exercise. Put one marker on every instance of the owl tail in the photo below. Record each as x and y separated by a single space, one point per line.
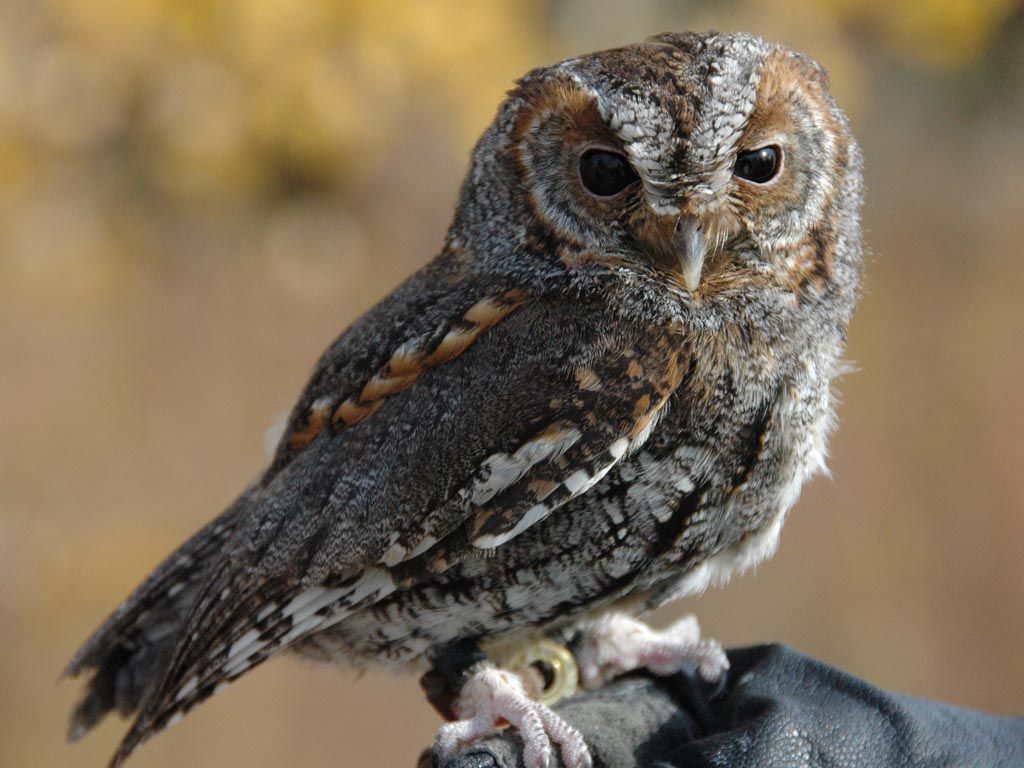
128 651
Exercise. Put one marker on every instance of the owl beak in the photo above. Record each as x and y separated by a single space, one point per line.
690 246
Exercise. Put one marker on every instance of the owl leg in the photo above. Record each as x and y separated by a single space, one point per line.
492 695
616 644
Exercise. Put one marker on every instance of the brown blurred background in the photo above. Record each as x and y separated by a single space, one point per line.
196 197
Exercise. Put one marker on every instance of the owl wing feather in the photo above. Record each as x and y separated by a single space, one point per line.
482 440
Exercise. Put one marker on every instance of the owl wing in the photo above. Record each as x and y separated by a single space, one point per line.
459 441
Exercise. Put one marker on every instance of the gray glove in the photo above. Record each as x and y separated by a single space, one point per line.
776 708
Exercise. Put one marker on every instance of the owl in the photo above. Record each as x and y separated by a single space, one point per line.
605 393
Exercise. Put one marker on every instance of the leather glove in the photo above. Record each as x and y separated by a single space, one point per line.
774 709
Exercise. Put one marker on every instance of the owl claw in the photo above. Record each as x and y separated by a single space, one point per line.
492 695
616 644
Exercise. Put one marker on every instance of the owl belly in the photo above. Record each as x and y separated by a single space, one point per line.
749 511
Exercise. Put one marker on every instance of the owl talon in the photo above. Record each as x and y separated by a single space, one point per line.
492 695
616 644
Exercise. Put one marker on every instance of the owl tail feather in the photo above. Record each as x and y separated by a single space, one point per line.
126 654
228 633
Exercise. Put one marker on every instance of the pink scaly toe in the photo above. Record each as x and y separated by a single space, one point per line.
492 695
616 644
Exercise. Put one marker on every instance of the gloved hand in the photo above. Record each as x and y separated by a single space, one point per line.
775 708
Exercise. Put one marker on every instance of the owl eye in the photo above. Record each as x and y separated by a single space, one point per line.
605 173
758 166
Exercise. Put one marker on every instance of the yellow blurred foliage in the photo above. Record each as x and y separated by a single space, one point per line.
221 89
936 33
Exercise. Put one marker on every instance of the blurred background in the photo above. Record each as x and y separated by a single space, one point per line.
196 197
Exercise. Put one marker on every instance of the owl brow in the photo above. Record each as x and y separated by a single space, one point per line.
715 136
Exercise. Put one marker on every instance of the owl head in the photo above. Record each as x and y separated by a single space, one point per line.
718 164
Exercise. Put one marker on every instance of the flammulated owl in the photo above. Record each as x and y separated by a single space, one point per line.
603 394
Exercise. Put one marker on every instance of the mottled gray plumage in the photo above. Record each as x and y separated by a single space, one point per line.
552 418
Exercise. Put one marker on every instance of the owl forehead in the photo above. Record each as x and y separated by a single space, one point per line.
678 104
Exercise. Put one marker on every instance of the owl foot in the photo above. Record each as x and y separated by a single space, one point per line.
493 695
616 644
